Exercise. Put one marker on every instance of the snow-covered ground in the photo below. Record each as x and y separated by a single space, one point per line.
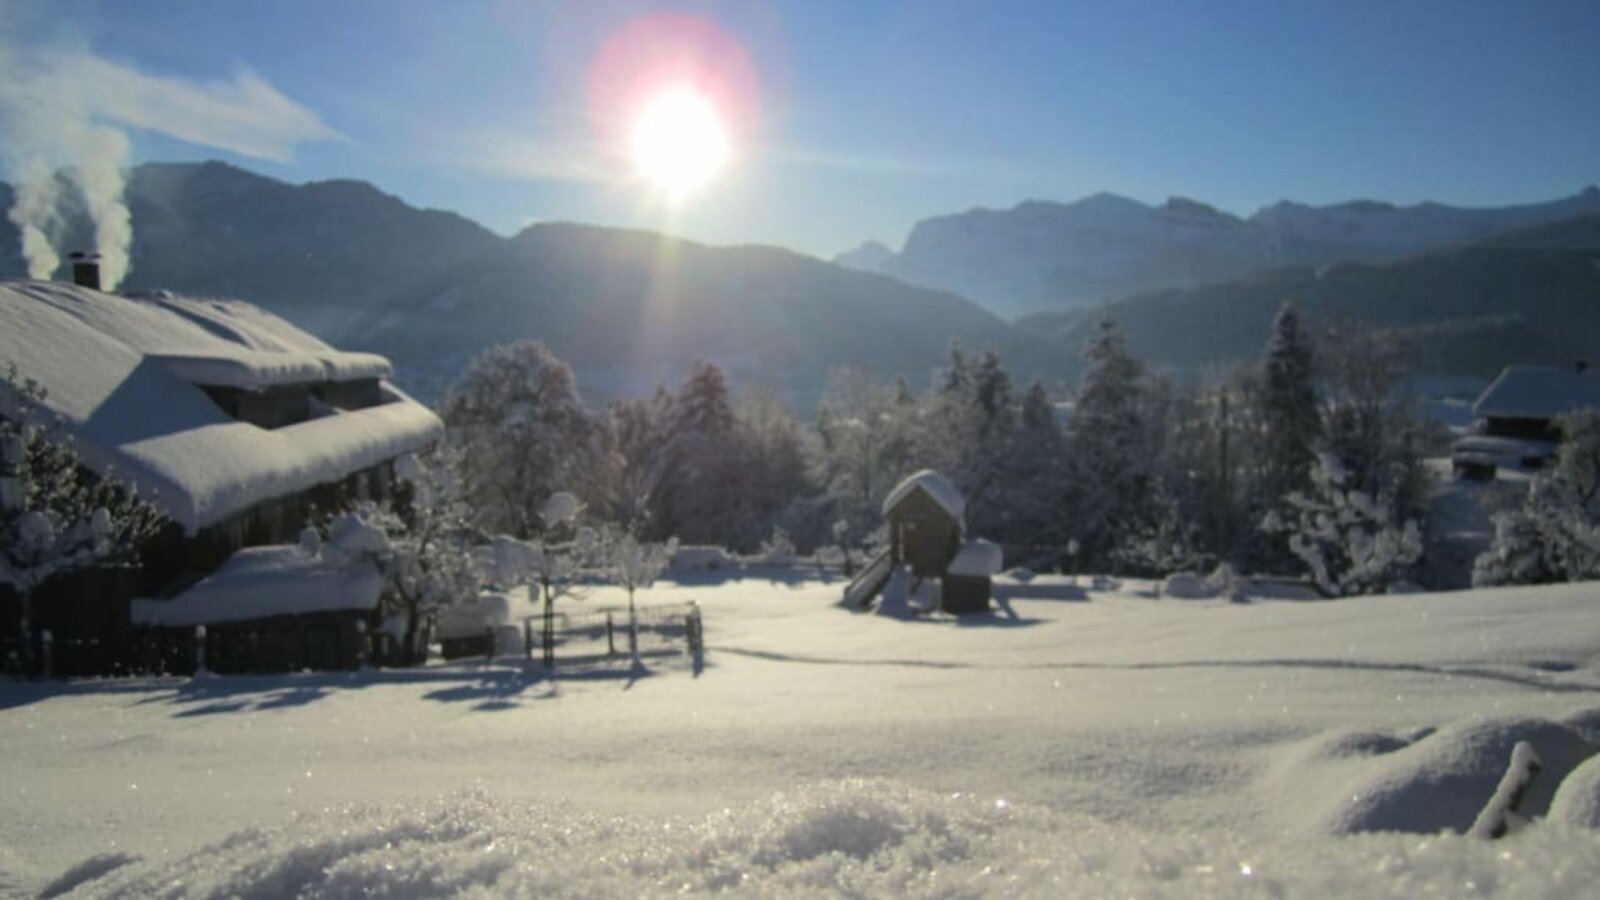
1075 743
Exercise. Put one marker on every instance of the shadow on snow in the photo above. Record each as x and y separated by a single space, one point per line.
484 687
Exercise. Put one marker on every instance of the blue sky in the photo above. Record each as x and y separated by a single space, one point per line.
866 115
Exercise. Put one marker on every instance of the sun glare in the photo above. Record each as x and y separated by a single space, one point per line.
679 142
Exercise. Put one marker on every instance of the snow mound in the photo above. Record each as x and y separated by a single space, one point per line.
694 558
1423 782
1187 586
847 838
1577 800
895 601
490 609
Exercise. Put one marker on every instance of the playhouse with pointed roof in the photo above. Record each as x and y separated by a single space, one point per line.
926 518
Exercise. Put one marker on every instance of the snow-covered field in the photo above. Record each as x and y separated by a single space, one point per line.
1076 743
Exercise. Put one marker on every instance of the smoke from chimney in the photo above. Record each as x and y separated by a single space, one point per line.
50 144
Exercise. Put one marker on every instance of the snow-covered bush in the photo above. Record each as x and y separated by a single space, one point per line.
1555 534
777 550
422 544
1167 545
55 515
1347 539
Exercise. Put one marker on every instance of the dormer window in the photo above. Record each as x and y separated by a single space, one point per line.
272 407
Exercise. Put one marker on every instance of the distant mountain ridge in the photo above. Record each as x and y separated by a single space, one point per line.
366 270
629 309
1042 255
1531 295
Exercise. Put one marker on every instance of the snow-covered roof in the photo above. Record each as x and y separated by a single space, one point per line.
258 582
122 374
936 486
1538 392
977 559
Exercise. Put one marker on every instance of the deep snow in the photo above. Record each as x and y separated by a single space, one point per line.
1076 742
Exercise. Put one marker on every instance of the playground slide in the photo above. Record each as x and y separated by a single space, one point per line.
868 582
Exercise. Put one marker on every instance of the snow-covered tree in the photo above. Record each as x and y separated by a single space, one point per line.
55 515
554 561
865 435
727 475
1109 448
635 460
426 547
1555 535
695 497
1369 419
522 429
1348 540
635 565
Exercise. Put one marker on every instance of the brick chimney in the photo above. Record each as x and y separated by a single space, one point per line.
86 270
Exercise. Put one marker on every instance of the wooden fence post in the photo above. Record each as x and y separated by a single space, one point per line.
611 642
199 650
47 664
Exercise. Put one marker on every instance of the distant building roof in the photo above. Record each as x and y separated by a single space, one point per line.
936 486
1538 392
124 375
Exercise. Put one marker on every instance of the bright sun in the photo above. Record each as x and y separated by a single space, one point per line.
678 142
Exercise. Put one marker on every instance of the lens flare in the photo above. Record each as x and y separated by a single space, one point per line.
674 96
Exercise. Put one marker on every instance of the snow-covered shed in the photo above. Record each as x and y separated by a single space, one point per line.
925 514
969 581
230 419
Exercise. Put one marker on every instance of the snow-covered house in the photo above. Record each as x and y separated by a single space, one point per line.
1516 417
231 420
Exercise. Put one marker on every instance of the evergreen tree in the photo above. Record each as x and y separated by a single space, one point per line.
698 494
1290 419
55 515
1109 448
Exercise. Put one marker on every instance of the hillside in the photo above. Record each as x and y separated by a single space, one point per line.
1049 256
629 309
1526 296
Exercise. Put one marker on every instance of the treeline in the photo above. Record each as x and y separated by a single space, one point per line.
1282 466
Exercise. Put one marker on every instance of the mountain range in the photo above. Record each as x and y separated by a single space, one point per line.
1465 291
1041 256
626 308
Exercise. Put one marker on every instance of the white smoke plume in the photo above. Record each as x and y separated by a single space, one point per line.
60 108
34 214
